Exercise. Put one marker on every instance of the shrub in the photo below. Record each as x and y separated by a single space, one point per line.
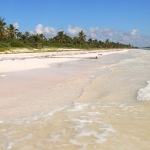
4 45
16 43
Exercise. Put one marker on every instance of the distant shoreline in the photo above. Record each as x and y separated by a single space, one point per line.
20 54
26 61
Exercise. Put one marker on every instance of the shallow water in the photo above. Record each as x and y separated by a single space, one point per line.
113 111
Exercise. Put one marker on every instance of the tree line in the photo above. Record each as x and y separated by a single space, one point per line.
10 36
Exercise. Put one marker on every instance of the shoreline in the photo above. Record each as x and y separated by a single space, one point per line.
28 61
31 85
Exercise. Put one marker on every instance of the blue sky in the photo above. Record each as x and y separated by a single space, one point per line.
124 21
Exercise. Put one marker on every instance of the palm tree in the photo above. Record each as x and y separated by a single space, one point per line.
81 37
19 35
107 43
42 37
75 40
101 44
36 41
90 41
27 34
61 36
2 28
12 31
25 38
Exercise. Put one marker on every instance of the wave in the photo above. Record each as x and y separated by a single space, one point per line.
34 118
144 93
78 125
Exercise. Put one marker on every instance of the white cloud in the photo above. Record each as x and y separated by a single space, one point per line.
108 32
16 25
93 33
132 37
50 31
134 32
101 34
74 30
39 29
47 31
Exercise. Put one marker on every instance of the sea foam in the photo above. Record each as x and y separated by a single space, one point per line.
144 93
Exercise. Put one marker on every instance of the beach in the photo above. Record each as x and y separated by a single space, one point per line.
23 77
75 100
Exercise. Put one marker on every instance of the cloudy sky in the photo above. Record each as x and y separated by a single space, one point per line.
125 21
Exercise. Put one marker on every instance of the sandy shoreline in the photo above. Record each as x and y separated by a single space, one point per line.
27 89
27 61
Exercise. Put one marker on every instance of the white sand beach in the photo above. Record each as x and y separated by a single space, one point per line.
75 100
27 61
25 86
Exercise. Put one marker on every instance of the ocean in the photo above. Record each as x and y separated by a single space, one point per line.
112 111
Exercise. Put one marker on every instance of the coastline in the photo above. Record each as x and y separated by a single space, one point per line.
27 61
78 102
33 83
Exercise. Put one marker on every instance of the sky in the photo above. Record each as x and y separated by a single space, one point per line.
125 21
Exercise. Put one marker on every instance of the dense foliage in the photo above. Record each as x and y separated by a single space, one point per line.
11 37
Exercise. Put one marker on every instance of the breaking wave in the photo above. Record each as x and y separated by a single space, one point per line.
144 93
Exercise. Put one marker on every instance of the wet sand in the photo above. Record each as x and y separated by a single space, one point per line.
32 83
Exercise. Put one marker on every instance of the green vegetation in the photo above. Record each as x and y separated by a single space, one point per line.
11 37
